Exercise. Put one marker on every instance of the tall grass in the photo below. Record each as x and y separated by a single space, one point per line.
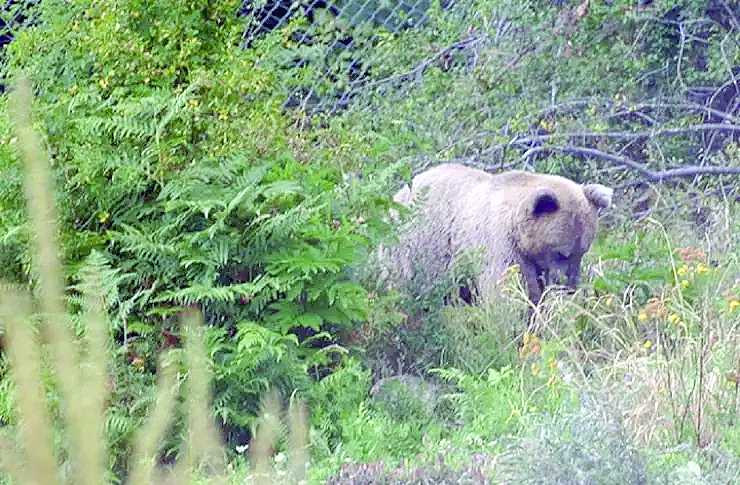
39 330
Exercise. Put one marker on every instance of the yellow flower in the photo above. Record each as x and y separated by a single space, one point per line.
733 304
685 283
655 308
702 268
682 270
526 338
546 125
530 345
647 343
673 318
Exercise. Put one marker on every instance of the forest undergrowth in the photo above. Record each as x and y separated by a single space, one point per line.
196 247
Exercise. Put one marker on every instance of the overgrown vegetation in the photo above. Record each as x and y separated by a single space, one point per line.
62 440
249 177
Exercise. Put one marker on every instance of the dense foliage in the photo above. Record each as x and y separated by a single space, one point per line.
176 172
244 167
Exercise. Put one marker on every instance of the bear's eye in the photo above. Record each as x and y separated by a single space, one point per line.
561 258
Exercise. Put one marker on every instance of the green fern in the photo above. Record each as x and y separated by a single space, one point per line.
178 182
251 362
232 293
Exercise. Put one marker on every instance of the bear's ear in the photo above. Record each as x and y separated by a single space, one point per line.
599 195
545 202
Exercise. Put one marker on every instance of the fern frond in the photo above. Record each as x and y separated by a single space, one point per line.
284 226
174 107
304 262
201 191
252 336
118 127
139 118
145 246
119 425
229 293
15 234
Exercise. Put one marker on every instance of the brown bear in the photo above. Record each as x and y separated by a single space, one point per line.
543 223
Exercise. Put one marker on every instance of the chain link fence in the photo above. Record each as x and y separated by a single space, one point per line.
339 46
506 83
653 86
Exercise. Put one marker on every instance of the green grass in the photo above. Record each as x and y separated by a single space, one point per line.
634 379
59 414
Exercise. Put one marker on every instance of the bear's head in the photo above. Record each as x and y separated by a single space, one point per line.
555 224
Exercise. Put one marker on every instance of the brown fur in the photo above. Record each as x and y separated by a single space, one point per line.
543 223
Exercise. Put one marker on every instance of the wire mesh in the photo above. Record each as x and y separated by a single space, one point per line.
482 78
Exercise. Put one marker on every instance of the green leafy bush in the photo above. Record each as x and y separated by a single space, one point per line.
379 473
336 400
176 167
493 404
588 446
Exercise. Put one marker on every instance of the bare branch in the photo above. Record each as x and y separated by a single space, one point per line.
714 112
733 81
592 152
625 135
568 107
731 16
649 175
692 171
533 143
414 74
684 106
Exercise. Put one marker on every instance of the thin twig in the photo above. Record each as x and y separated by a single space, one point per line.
649 175
416 71
528 141
625 135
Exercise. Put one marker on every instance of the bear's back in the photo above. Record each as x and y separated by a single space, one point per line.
468 187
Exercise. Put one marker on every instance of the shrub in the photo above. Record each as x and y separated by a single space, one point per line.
588 446
177 169
62 385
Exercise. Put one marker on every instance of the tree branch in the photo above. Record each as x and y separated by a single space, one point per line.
688 106
625 135
526 142
649 175
416 72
